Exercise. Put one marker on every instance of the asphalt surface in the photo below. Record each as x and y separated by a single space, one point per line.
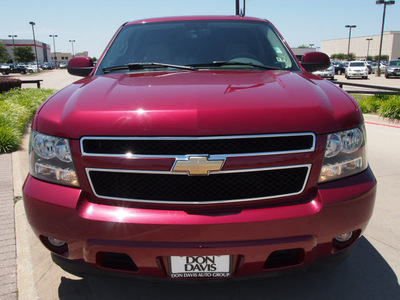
371 272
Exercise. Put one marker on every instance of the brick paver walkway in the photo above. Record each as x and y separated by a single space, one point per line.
8 259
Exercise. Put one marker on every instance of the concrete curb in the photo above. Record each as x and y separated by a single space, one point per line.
380 120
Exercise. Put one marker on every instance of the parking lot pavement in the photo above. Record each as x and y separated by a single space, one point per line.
372 80
52 79
371 272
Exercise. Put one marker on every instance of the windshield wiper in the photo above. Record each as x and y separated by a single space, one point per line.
233 63
145 65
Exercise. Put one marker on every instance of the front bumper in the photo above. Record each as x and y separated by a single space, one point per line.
140 241
357 74
393 72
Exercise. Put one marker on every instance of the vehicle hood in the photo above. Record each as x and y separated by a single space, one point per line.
195 103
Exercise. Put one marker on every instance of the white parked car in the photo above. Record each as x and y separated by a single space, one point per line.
356 69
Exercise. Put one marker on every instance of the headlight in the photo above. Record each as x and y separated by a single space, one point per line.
51 159
345 154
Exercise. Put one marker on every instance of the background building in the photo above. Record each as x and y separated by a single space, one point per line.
64 56
43 49
299 52
359 45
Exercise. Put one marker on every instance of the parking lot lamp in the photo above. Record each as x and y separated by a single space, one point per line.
13 36
378 73
369 40
72 42
348 47
54 46
34 41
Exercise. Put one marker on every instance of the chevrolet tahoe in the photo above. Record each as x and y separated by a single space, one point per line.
198 147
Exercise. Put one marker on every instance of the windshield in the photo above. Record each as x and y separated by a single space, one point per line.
202 44
357 64
394 63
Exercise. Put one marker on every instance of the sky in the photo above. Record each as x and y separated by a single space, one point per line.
92 23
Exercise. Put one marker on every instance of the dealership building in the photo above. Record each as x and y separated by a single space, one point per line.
43 49
365 45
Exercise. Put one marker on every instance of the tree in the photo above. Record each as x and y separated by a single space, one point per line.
4 56
339 56
383 57
24 54
303 46
352 56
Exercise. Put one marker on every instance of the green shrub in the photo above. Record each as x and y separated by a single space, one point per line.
10 139
390 108
369 105
17 107
387 106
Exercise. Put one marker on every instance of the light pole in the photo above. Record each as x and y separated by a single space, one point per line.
369 40
72 42
13 36
34 41
378 73
348 47
54 46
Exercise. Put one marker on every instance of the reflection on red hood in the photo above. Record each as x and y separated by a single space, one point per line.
194 103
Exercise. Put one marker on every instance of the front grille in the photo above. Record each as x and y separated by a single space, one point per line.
222 186
173 146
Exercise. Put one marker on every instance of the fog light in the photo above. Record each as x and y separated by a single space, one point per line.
56 242
344 237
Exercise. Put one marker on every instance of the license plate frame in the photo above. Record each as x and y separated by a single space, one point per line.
207 266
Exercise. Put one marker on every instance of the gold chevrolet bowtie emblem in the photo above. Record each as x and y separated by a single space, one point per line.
198 165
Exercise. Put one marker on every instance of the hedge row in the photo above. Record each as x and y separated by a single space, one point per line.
386 106
7 84
17 108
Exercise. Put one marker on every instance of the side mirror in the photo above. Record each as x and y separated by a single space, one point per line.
80 66
315 61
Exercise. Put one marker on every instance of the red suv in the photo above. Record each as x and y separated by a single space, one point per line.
198 147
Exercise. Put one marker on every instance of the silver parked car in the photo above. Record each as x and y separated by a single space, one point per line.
393 69
328 73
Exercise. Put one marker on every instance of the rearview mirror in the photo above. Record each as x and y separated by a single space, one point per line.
80 66
315 61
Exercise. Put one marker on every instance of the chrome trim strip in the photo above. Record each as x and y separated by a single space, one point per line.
213 156
308 166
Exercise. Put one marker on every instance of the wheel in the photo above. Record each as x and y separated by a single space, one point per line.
386 75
